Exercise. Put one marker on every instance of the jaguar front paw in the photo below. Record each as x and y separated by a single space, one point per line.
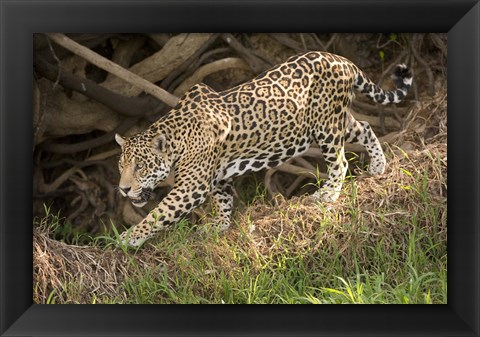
131 239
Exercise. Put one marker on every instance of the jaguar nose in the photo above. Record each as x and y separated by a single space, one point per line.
124 190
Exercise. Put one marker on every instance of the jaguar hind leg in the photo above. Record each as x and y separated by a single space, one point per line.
337 168
360 132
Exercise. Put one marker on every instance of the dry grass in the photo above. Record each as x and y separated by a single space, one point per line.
373 214
383 241
369 208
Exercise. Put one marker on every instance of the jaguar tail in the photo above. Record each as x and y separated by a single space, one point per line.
402 76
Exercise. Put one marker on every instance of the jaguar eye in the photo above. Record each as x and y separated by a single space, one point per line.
138 166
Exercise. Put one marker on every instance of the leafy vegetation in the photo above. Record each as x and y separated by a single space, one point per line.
383 242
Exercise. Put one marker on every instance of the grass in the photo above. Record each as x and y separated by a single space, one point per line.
384 241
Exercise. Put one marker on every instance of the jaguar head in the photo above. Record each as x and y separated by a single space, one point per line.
143 165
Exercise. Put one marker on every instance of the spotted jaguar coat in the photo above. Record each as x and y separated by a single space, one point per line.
211 137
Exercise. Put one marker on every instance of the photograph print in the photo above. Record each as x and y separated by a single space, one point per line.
240 168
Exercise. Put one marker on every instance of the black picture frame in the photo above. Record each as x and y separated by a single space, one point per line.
20 19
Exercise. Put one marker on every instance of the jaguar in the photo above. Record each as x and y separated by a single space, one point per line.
210 137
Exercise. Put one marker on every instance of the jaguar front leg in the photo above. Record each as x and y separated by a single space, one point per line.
179 202
222 202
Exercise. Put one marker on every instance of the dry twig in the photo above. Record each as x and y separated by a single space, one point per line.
113 68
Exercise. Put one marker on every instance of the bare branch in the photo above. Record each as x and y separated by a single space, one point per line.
113 68
88 144
128 106
204 71
257 64
155 68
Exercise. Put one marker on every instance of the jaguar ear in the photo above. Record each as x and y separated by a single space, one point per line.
119 139
159 144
